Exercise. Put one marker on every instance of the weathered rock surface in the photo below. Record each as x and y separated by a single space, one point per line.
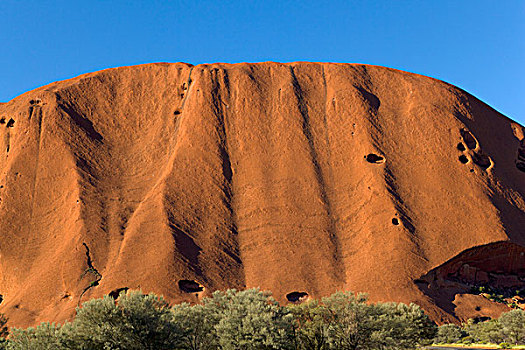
299 178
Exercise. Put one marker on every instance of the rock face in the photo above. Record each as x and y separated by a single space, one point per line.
303 179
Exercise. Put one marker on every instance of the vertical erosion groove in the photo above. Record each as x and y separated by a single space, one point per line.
398 201
307 132
35 122
227 172
378 136
178 112
186 245
188 89
35 117
390 179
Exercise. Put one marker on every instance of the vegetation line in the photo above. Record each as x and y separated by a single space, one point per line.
253 320
249 319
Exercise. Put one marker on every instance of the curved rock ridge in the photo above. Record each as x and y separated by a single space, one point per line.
301 178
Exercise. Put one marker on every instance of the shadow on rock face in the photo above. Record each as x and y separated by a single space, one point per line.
496 268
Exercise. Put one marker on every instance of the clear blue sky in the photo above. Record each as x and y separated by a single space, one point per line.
478 45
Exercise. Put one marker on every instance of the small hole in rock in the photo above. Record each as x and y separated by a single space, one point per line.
469 139
395 221
471 170
461 147
10 123
374 158
478 308
1 298
520 166
116 292
176 112
2 120
189 286
296 297
480 319
463 159
481 160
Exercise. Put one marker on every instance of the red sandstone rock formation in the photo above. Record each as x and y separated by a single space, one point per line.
299 178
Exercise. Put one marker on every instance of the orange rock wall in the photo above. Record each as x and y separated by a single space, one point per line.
247 175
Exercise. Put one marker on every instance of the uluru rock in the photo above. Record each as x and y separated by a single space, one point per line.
303 179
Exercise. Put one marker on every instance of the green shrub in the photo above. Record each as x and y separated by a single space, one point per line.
349 324
4 331
400 326
250 319
485 332
137 321
347 321
508 329
197 324
513 326
310 323
448 334
467 340
46 336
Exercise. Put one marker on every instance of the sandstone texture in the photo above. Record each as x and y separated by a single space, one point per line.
302 178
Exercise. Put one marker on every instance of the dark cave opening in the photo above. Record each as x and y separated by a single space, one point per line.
469 139
463 159
296 297
374 158
189 286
